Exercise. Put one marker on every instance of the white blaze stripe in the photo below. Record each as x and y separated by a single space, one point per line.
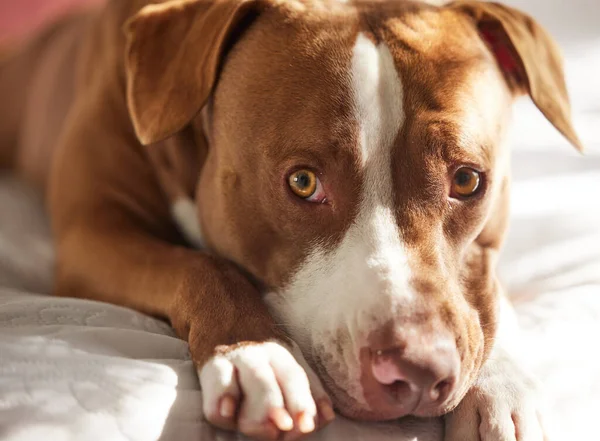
186 218
338 296
378 99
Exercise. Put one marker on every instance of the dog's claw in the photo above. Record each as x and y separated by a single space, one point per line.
227 407
282 419
326 413
305 422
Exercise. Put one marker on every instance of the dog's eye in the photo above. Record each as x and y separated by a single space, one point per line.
306 185
466 183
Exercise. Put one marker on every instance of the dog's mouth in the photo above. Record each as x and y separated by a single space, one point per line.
342 401
381 402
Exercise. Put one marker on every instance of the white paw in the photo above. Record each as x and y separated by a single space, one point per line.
261 390
503 405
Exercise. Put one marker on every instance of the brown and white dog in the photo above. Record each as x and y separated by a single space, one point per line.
340 167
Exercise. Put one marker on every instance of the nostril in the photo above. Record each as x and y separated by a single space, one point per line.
440 390
399 389
386 369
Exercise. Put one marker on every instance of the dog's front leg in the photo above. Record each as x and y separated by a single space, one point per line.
252 379
504 403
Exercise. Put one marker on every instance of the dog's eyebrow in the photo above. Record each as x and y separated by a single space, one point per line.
470 152
452 143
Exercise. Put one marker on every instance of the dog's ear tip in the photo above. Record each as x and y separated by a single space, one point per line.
571 137
147 138
574 140
144 139
144 135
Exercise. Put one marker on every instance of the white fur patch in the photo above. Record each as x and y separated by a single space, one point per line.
267 375
185 215
338 296
378 101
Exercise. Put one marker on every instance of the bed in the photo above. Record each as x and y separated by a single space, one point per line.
73 369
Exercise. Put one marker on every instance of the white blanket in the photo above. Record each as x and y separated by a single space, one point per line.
80 370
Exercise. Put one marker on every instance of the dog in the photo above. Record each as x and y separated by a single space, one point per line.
313 193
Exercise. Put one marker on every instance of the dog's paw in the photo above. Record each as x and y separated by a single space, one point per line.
503 405
262 390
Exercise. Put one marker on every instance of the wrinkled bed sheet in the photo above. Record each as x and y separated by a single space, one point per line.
81 370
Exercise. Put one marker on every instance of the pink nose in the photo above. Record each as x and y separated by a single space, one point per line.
417 374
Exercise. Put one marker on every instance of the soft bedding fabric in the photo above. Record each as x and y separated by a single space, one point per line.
79 370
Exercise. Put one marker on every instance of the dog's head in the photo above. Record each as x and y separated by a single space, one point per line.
356 169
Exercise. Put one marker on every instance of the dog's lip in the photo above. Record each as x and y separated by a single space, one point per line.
348 407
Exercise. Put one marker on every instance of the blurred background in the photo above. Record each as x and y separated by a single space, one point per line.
20 17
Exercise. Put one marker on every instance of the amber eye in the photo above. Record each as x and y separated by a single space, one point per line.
303 183
466 182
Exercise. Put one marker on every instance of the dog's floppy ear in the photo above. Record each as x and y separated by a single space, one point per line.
528 57
172 60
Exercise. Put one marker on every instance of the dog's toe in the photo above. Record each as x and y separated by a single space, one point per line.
502 406
528 425
221 392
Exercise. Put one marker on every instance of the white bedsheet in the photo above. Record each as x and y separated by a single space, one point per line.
80 370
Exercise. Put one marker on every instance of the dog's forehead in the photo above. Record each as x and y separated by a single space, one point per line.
418 26
297 67
437 55
314 45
